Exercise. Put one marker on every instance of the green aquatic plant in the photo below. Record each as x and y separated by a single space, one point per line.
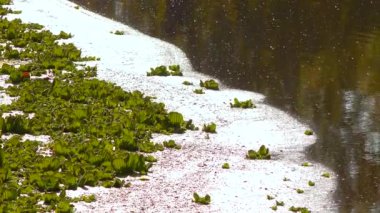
226 166
270 197
210 128
311 183
300 191
199 91
171 144
187 83
308 132
242 104
261 154
209 84
299 209
326 175
286 179
306 164
119 32
201 200
280 203
173 70
274 208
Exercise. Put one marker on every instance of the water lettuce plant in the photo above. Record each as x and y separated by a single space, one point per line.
210 128
299 209
98 131
199 91
173 70
242 104
187 83
209 84
326 175
308 132
226 166
261 154
201 200
171 144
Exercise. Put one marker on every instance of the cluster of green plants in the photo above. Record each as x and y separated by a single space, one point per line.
171 144
278 203
261 154
173 70
98 131
201 200
210 128
242 104
299 209
209 84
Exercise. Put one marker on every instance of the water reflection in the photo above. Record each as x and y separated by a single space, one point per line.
319 60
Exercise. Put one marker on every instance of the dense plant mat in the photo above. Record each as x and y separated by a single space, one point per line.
98 131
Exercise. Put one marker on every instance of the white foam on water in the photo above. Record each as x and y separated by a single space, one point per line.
244 187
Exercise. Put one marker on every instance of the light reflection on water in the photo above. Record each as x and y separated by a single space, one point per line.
319 60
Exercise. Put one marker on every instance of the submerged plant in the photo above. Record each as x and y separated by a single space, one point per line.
209 84
242 104
261 154
201 200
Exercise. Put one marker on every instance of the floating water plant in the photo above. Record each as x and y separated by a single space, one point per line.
269 197
173 70
261 154
201 200
209 84
311 183
274 208
171 144
306 164
96 127
226 166
299 209
326 175
199 91
308 132
242 104
210 128
119 32
286 179
300 191
280 203
187 83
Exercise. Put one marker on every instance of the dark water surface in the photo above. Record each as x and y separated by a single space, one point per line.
318 60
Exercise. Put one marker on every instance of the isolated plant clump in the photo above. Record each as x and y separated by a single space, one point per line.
173 70
210 128
210 84
261 154
242 104
97 129
201 200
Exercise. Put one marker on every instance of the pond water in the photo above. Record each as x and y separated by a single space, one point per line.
318 60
